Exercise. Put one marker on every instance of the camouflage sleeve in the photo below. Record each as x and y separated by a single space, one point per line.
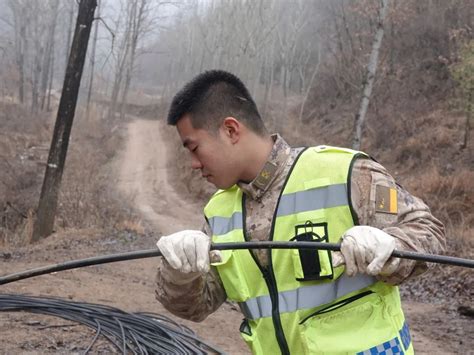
190 299
379 202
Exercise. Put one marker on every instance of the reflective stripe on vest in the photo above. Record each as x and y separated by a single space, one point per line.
314 199
223 225
305 297
301 201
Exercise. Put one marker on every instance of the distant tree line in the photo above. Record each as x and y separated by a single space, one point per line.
35 39
292 52
304 49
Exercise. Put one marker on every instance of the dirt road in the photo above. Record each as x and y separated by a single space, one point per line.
143 177
130 285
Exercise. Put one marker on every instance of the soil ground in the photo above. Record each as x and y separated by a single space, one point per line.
436 328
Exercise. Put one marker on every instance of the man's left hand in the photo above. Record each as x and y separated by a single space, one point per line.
367 250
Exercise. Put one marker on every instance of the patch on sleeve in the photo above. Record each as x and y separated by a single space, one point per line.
386 199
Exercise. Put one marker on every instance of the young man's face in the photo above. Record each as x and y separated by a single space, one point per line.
212 153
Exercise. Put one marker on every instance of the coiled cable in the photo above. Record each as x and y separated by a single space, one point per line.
130 333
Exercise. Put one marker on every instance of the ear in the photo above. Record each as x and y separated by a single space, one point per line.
232 129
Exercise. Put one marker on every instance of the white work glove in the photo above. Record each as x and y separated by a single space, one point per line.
186 251
366 250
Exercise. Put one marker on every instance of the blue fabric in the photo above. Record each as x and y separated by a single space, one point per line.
391 347
405 336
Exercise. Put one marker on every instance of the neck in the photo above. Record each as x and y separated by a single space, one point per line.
257 152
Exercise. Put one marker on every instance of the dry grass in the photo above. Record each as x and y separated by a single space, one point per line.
450 196
88 198
23 151
134 225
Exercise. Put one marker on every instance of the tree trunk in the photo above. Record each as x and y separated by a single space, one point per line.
265 75
310 85
48 54
51 77
122 55
348 32
467 126
23 44
138 14
37 63
69 31
92 63
21 20
371 69
57 154
21 63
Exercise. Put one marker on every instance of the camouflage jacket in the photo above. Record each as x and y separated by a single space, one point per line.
413 226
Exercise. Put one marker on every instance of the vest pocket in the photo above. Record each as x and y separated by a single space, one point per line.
250 337
350 328
310 265
230 272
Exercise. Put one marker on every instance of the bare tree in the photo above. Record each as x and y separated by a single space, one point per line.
136 19
139 15
37 30
92 62
46 213
49 52
120 55
70 27
20 13
34 29
310 84
51 77
371 69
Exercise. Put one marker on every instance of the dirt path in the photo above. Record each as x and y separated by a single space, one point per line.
143 176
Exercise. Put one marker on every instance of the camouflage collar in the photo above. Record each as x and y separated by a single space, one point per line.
273 167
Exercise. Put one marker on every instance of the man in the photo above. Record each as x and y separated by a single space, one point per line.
293 301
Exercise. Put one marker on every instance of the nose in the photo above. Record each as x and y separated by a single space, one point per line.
195 163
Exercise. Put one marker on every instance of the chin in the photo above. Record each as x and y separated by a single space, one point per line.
223 186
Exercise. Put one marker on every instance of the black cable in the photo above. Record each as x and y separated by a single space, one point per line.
94 339
141 254
136 333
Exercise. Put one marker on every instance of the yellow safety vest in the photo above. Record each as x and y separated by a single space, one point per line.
299 303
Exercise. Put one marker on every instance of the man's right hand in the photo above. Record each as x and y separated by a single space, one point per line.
186 251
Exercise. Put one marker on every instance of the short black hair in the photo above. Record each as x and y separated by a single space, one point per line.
212 96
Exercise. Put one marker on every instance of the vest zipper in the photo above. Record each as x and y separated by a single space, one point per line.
267 272
272 285
338 305
269 278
